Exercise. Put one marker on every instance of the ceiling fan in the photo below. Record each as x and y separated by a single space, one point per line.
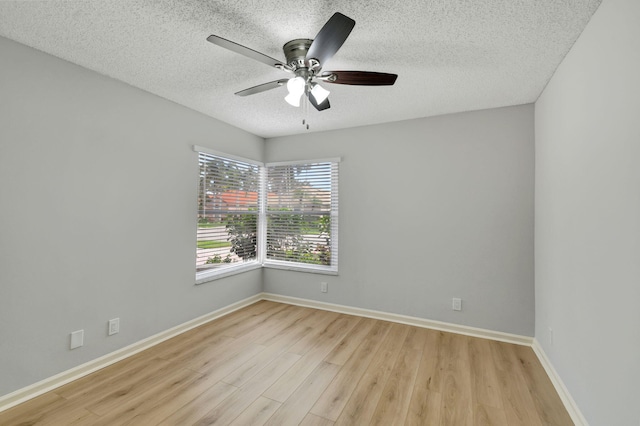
305 59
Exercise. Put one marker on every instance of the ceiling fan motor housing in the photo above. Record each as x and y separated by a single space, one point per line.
296 53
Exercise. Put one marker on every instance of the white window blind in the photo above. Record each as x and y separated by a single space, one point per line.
302 215
228 212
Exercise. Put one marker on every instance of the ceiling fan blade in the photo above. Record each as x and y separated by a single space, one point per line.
331 37
320 107
359 78
262 87
243 50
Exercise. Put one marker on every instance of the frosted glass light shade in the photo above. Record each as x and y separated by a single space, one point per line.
293 99
319 93
295 86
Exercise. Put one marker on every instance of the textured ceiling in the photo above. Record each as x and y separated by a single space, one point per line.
450 55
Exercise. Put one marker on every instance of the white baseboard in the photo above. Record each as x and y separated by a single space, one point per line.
48 384
563 392
403 319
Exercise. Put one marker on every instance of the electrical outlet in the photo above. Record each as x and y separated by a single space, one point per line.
324 287
114 326
456 304
77 339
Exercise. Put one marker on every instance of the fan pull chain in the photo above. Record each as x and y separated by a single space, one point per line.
305 112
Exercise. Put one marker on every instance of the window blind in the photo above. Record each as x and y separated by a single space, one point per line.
228 211
302 214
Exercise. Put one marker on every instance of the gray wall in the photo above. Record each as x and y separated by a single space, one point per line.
430 209
97 214
588 217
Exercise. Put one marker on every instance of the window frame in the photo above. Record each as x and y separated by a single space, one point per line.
331 269
261 260
214 274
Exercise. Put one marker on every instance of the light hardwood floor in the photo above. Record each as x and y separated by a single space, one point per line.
278 364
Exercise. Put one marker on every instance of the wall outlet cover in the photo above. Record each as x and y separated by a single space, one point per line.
457 304
114 326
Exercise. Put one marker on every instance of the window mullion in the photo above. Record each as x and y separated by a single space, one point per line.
262 219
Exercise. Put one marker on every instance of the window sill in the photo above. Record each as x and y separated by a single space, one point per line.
298 267
216 274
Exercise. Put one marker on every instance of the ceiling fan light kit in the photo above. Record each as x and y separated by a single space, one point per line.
305 59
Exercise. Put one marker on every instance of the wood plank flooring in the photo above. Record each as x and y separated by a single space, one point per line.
277 364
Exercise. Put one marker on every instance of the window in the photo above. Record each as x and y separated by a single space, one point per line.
302 216
282 215
228 213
